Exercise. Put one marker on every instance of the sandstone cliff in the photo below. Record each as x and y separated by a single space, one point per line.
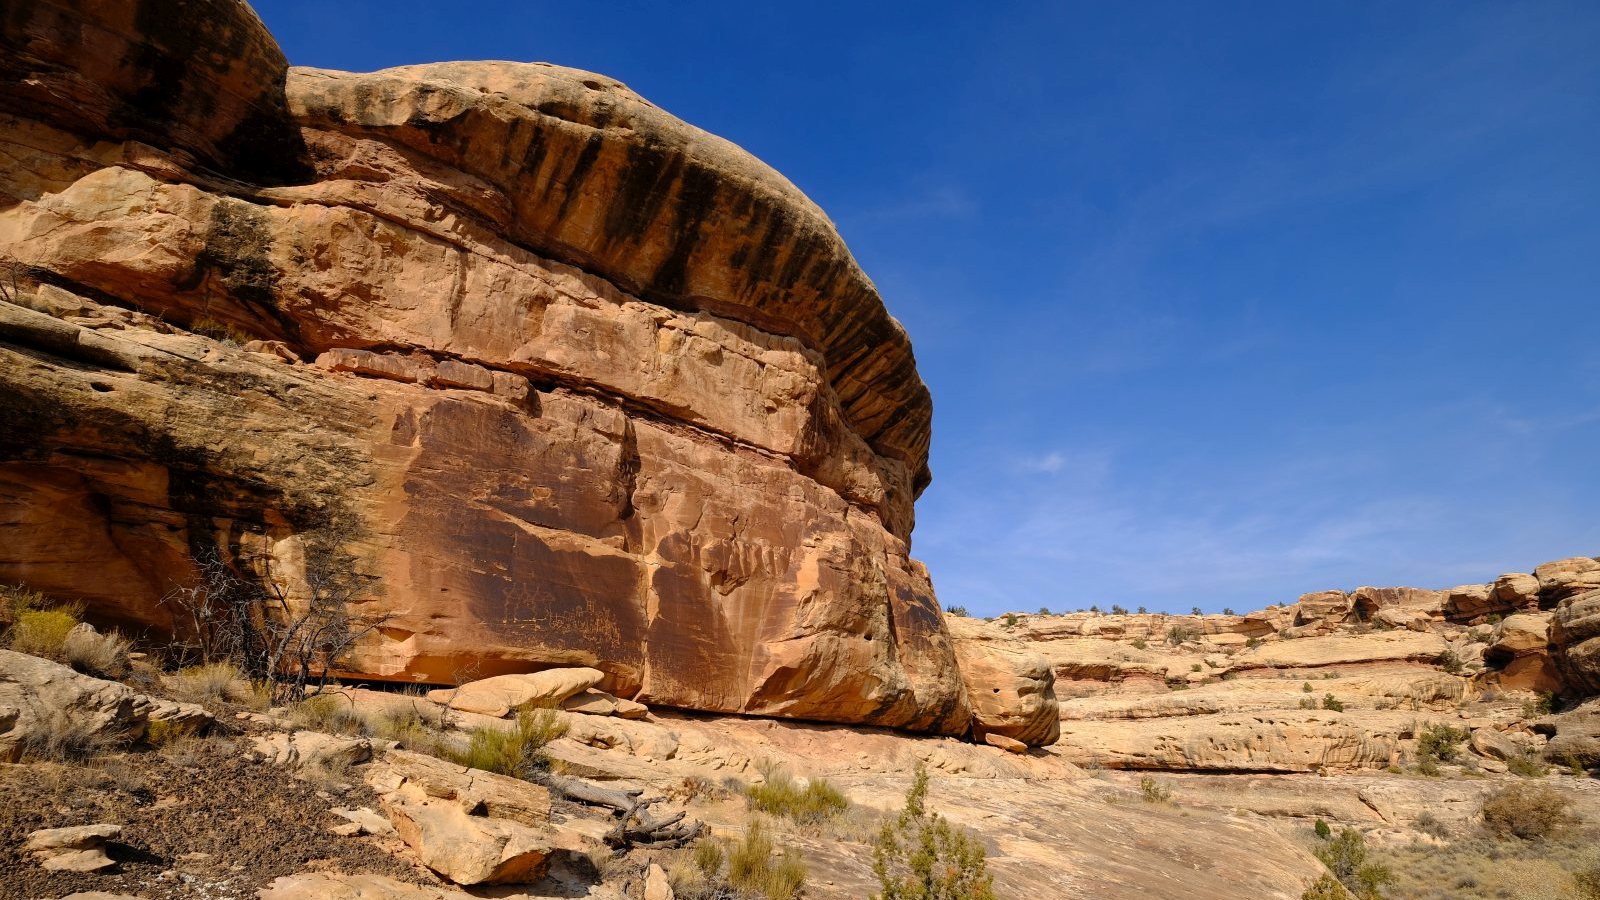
551 376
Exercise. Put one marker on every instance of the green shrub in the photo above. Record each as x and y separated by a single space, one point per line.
777 795
1347 859
1252 643
1333 703
1542 704
956 610
1531 812
753 869
517 751
1307 688
1527 766
920 856
1440 742
1140 643
42 632
1450 662
1177 634
1322 830
1428 766
1325 887
328 713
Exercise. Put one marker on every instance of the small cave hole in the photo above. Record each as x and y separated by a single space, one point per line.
100 386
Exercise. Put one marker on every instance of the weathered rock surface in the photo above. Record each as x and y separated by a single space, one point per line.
338 886
561 380
1012 692
39 698
1575 636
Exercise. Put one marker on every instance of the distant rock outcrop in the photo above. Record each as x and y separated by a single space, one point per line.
552 377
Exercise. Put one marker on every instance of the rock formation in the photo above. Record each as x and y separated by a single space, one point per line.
502 355
1337 681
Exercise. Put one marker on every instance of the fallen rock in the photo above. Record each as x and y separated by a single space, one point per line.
1010 745
477 792
300 749
364 820
656 884
501 695
80 848
466 849
591 702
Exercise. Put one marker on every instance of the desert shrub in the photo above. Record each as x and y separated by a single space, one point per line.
1334 703
219 331
956 610
93 653
1527 766
778 795
1542 704
1428 824
43 632
517 751
416 726
1440 742
15 599
1140 643
1531 812
1118 610
1450 662
1252 643
1325 887
1307 688
1227 611
1178 634
210 683
1195 611
329 713
1322 830
754 870
1195 667
1586 880
1348 861
1428 766
920 856
1154 791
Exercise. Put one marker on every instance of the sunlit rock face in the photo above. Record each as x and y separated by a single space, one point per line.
570 381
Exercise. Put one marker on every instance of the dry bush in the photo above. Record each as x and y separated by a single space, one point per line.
1527 765
328 713
92 653
1532 812
213 683
517 751
59 737
1153 791
418 726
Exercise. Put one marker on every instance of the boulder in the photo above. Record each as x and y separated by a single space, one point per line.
656 884
1322 606
80 848
476 792
1010 745
1499 745
1515 590
1012 691
466 849
502 695
1567 577
313 749
1575 642
591 702
39 697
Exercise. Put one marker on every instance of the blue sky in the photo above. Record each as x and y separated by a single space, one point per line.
1219 303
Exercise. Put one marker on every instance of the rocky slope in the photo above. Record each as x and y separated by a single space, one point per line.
1335 682
536 372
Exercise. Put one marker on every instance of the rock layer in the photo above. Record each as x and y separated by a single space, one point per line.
546 376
